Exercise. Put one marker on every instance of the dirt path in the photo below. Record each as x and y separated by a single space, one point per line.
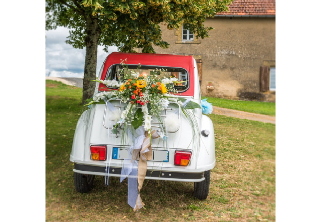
244 115
216 110
69 81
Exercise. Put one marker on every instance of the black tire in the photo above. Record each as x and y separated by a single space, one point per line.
82 182
201 189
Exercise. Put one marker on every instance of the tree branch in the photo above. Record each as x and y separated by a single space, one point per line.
77 8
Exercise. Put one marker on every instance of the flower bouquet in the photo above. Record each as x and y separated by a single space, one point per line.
146 96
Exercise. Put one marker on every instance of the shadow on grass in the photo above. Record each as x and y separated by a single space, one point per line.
154 193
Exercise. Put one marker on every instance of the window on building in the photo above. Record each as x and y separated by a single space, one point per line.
187 35
267 78
272 84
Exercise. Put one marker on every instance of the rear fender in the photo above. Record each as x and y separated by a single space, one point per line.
206 157
80 140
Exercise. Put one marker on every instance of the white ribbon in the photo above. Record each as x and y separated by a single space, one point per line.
137 142
112 109
130 168
110 106
136 170
185 103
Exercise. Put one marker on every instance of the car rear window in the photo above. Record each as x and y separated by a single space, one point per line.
118 71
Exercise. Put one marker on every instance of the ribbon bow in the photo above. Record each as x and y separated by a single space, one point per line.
137 171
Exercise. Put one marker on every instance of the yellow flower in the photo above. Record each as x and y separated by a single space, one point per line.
121 87
141 83
163 88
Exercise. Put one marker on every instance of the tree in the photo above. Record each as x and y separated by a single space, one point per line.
128 24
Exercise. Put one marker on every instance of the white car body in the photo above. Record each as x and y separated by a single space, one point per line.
94 128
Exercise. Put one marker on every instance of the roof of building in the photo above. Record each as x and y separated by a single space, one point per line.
251 8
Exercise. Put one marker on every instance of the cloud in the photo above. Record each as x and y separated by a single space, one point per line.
62 60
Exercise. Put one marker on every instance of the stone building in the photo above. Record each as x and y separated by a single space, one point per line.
237 61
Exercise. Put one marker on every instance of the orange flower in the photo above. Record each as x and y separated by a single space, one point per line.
158 83
153 85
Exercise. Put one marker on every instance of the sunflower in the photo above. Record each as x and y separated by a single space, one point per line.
163 88
141 83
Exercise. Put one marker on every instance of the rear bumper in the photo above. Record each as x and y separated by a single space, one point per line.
151 174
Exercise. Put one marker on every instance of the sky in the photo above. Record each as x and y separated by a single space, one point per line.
62 60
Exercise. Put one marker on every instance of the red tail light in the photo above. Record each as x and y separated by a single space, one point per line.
182 158
98 152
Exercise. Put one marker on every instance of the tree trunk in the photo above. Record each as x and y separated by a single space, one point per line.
93 33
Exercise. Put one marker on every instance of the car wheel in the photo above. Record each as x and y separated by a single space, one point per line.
201 189
83 182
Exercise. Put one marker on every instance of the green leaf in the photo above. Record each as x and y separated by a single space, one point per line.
138 119
115 131
190 104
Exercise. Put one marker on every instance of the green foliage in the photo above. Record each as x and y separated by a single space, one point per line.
138 119
190 104
130 24
266 108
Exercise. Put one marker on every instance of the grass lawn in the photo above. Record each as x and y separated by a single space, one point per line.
265 108
242 184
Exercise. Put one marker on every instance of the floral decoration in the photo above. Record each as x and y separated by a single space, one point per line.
206 107
145 96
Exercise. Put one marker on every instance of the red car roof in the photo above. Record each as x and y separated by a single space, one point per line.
178 61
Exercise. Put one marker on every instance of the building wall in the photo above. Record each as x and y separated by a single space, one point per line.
231 56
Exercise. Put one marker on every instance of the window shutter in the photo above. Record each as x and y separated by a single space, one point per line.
264 78
199 65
